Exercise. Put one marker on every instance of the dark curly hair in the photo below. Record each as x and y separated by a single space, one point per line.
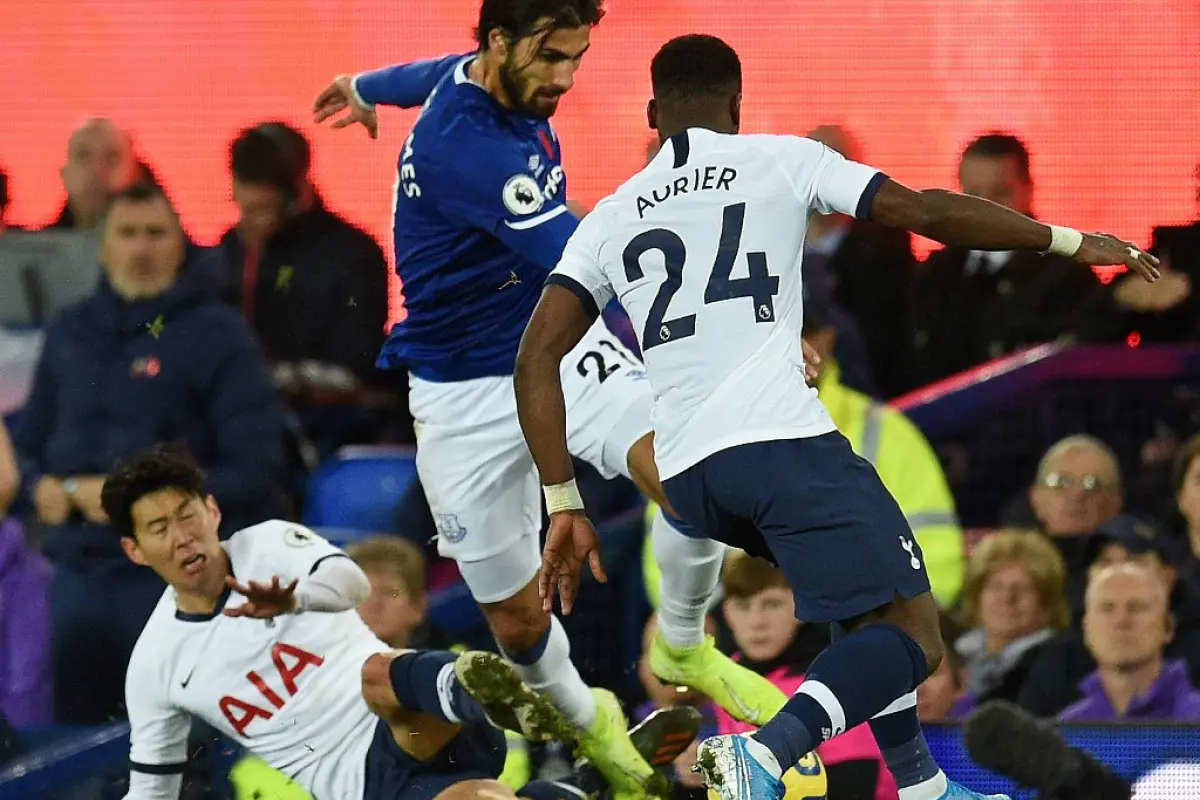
166 466
523 18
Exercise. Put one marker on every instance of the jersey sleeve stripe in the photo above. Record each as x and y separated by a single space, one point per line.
863 209
576 288
157 769
322 559
533 222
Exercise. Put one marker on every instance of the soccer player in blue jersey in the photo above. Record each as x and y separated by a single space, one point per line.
481 218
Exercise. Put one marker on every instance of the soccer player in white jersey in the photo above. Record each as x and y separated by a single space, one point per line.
703 250
259 637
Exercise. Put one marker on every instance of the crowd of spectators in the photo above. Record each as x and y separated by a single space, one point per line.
258 352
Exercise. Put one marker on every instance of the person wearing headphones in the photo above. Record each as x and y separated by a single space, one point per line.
313 285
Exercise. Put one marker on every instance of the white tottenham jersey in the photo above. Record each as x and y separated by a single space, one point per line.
288 689
703 250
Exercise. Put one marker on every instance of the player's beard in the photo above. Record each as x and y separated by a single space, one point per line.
537 103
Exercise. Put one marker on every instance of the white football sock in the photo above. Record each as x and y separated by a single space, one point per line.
554 675
690 570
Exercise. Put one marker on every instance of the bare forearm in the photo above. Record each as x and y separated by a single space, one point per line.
961 220
958 220
542 411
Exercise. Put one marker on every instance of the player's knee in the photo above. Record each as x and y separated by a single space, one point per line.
918 618
519 622
377 684
934 649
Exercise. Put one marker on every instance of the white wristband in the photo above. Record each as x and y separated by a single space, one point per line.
358 98
563 497
1064 241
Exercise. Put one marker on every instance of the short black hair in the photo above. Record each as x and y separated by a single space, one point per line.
1001 145
695 67
520 18
165 466
140 191
272 154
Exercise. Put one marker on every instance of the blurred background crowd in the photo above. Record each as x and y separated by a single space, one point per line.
1039 424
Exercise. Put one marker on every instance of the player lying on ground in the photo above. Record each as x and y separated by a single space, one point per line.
703 249
481 218
259 637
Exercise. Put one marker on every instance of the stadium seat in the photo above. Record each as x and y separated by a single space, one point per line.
359 488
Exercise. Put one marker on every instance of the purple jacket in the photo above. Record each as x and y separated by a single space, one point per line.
1172 697
26 687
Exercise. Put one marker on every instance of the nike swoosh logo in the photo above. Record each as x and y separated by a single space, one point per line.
184 683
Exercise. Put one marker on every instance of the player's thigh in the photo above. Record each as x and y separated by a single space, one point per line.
608 401
476 753
480 482
822 514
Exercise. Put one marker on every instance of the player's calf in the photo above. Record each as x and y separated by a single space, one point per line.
537 645
518 623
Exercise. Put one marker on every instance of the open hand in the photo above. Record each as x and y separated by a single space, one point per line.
339 96
87 499
51 501
263 600
812 361
1106 250
571 541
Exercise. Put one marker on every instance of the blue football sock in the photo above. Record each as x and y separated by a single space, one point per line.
903 746
425 681
850 681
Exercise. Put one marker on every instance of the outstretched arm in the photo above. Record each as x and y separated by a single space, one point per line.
966 221
832 183
402 85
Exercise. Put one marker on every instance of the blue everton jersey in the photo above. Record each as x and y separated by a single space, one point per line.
480 221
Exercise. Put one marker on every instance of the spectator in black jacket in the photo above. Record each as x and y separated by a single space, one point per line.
151 356
970 306
313 286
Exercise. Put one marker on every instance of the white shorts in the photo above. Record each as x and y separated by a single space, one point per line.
479 477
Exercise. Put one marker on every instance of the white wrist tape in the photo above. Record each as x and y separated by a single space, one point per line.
1064 241
563 497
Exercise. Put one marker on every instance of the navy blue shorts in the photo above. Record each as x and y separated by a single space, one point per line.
817 510
476 753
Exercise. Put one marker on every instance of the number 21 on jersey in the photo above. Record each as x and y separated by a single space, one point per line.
759 285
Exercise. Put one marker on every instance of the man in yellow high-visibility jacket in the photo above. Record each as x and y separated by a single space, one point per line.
905 462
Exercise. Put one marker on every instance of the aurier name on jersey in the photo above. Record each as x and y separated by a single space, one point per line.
703 249
702 179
